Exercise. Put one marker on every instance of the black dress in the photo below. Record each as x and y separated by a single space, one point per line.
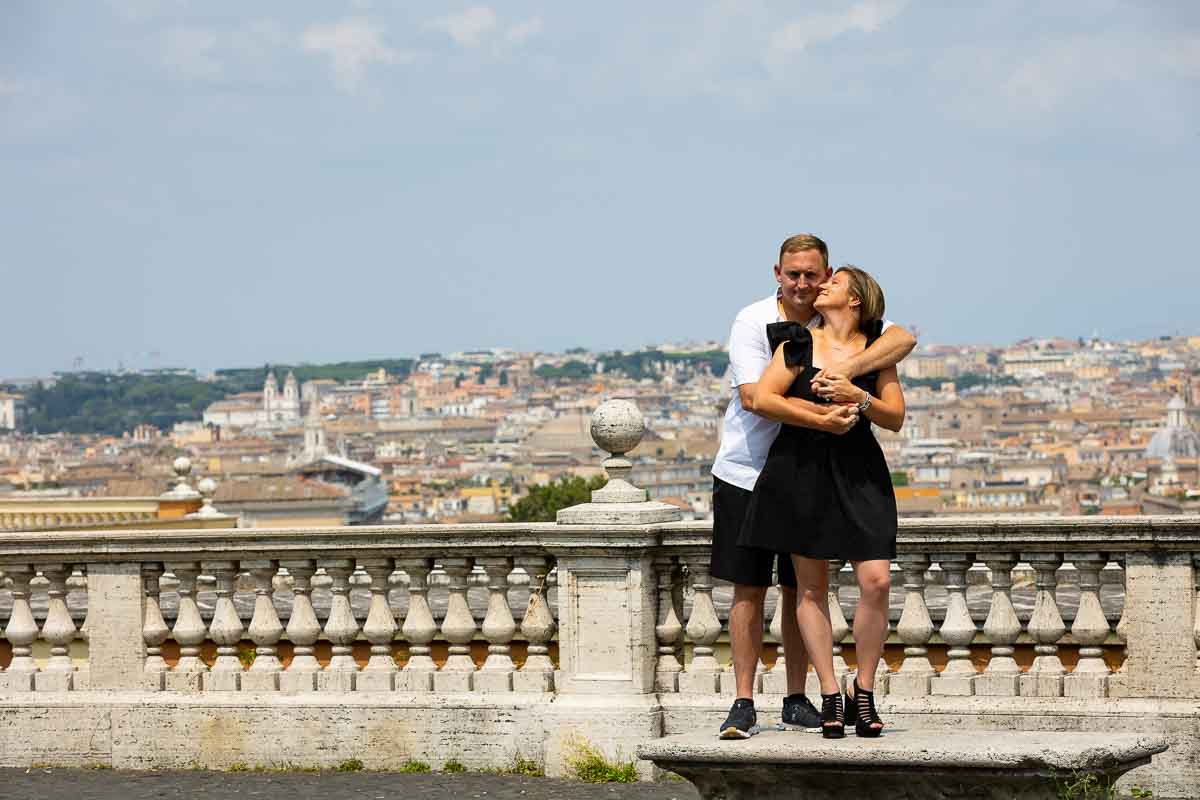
822 495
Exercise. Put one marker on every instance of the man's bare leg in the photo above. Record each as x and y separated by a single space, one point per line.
746 635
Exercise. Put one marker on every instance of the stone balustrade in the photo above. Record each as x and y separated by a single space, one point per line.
987 613
280 582
1153 585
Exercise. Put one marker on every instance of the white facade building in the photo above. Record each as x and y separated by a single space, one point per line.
12 411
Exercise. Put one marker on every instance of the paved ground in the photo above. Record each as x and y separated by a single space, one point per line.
83 784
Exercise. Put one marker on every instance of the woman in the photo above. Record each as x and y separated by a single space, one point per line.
825 497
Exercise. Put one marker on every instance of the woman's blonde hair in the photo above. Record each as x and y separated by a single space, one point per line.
870 296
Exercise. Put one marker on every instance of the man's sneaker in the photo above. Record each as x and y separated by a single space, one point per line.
799 712
741 721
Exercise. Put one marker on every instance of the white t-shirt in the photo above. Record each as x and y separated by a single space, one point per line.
747 437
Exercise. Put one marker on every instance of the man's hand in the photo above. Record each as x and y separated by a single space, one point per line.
840 419
836 388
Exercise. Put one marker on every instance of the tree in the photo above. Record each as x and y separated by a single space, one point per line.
572 370
543 503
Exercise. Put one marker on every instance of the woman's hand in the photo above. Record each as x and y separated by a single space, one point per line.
836 388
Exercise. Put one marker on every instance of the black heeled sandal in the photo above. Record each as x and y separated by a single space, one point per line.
833 716
865 716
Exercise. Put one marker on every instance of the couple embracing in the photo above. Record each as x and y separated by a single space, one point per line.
800 479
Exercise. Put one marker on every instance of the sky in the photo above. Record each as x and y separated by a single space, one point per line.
210 184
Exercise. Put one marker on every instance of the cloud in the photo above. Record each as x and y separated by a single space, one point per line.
246 52
1113 80
523 31
1182 57
867 16
138 11
353 45
191 52
12 88
37 108
468 28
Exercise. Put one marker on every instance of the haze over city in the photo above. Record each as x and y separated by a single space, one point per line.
324 181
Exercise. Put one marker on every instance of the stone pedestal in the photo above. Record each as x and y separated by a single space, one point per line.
116 649
607 585
1160 658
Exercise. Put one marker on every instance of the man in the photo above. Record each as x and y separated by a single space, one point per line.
802 267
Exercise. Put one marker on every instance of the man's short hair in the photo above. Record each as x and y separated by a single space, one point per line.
801 242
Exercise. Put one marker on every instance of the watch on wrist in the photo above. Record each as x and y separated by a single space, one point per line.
866 402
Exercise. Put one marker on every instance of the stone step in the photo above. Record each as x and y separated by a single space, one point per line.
900 764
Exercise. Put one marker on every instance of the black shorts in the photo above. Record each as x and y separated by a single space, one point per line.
747 566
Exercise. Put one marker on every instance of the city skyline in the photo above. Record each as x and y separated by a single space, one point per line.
326 182
150 363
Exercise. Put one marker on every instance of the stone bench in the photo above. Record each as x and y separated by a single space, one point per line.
916 765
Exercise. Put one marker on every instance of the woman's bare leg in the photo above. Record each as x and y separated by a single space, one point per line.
812 615
870 619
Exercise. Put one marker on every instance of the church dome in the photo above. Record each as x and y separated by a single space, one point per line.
1175 442
1177 439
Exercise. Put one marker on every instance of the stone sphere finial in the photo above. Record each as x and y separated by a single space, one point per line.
182 467
617 426
207 488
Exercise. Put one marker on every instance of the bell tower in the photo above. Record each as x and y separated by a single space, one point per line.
270 395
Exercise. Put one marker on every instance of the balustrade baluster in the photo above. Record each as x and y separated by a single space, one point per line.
914 629
341 629
703 628
58 631
1002 627
303 630
419 628
189 631
537 626
883 673
1089 629
458 628
225 629
1196 610
668 629
380 629
1045 676
265 630
499 627
554 605
21 632
154 628
774 680
958 630
1122 625
82 680
839 627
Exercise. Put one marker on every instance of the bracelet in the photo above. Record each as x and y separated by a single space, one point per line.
866 402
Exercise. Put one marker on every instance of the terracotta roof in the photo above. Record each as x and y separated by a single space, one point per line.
133 487
266 490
